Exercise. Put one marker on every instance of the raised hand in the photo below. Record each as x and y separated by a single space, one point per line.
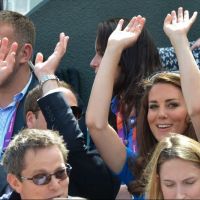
125 38
7 58
51 64
176 28
177 25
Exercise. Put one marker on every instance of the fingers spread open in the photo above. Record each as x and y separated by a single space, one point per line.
3 48
13 48
140 21
119 25
174 17
168 19
186 15
136 24
61 46
130 24
194 16
10 58
39 58
180 14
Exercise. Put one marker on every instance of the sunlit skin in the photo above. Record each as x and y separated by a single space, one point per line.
7 31
38 121
96 60
38 162
180 179
14 57
167 110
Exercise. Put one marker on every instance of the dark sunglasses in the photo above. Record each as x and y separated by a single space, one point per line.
77 111
45 178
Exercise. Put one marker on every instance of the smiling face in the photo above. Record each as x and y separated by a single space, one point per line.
166 110
180 179
37 162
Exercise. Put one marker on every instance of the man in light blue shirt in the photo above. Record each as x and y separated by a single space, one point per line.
18 33
8 114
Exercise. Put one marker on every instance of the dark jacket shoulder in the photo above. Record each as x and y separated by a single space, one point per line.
90 176
11 196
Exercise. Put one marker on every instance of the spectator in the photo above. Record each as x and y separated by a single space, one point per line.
174 169
30 173
15 80
163 110
33 114
90 177
125 126
133 64
84 177
169 109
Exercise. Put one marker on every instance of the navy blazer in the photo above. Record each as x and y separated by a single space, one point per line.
90 177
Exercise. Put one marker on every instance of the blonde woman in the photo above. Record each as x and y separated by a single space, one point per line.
174 169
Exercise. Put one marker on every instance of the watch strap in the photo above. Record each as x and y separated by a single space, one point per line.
47 77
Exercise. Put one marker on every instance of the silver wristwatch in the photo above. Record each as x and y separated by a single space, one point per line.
47 77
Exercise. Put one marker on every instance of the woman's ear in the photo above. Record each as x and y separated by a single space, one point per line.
14 182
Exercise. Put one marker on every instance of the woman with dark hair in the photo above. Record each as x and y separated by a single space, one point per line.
143 125
163 110
136 62
166 111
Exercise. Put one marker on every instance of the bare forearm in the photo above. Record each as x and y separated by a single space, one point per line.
190 81
190 74
106 140
101 94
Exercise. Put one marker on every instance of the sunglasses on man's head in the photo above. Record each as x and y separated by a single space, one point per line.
77 112
45 178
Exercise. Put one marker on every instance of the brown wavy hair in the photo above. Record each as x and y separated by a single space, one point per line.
145 139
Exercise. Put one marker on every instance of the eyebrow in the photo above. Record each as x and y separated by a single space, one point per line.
186 179
190 178
45 171
167 180
39 171
168 100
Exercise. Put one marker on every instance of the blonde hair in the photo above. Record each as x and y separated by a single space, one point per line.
173 146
